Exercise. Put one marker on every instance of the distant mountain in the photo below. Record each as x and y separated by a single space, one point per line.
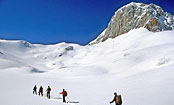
136 15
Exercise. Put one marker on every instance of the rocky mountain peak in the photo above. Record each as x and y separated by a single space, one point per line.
136 15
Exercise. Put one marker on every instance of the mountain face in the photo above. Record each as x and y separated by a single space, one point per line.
136 15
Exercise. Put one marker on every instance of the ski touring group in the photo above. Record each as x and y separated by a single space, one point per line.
117 98
48 90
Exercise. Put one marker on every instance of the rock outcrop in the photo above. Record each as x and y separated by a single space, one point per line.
136 15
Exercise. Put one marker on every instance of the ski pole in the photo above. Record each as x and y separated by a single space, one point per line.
68 99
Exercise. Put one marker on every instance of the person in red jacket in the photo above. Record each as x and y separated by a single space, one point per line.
64 94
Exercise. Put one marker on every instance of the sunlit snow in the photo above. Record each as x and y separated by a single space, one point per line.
138 65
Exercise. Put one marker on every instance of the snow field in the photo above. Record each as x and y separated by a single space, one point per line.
138 65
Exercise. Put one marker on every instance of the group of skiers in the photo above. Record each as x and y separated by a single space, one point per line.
117 98
64 93
40 90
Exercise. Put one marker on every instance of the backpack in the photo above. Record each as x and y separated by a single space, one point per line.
119 99
65 93
48 89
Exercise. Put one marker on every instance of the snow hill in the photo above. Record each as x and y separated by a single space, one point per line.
139 65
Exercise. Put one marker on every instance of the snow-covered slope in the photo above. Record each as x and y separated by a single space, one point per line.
136 15
138 65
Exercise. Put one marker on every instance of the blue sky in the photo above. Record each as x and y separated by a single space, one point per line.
54 21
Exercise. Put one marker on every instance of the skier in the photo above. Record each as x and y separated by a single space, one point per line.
64 94
117 99
35 90
114 99
41 91
48 92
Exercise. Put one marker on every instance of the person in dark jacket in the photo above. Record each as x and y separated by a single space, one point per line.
64 94
48 92
41 91
115 99
35 90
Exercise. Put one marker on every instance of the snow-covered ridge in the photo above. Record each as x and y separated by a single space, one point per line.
45 58
35 58
136 15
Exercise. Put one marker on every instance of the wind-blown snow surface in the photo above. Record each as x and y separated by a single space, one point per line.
138 65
